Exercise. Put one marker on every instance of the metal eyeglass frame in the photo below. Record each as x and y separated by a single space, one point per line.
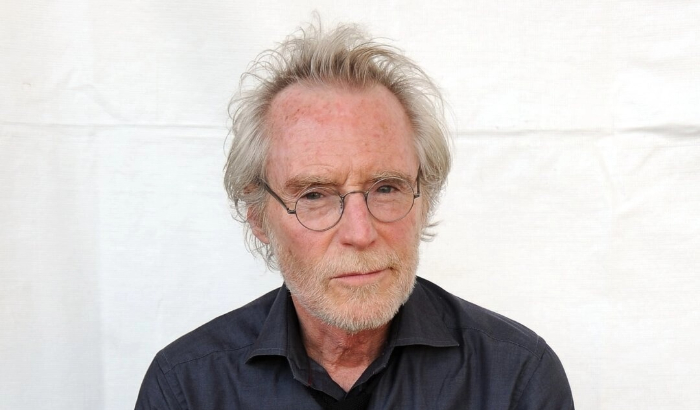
342 202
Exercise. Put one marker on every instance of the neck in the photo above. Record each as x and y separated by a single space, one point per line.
345 356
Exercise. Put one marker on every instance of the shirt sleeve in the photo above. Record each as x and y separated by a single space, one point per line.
156 392
548 387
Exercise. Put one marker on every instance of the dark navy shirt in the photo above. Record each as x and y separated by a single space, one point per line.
442 353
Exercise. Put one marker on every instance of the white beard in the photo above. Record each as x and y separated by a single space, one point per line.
350 308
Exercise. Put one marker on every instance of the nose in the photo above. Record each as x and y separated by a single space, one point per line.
356 227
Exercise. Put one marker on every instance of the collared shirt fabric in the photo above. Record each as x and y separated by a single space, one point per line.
442 353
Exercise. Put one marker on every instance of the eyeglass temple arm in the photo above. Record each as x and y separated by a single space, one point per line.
274 195
417 194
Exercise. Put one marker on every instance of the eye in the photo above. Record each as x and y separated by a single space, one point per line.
312 195
386 189
391 186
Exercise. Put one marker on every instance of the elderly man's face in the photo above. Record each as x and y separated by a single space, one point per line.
357 274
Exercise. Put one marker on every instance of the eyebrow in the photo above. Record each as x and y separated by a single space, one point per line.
391 174
299 183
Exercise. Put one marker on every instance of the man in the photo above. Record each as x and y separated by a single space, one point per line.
338 157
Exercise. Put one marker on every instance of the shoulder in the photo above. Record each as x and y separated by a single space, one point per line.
230 332
469 321
515 357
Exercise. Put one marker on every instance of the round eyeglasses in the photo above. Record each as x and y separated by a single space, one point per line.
320 208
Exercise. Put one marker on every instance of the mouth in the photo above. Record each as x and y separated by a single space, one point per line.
359 278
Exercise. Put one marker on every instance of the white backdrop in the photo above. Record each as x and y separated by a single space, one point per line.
573 206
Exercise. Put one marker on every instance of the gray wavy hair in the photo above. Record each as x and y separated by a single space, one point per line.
345 56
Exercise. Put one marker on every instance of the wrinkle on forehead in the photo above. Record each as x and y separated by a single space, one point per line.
324 106
298 183
321 131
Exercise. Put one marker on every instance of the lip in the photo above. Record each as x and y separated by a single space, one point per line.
359 278
345 275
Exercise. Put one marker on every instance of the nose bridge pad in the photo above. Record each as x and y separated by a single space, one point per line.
364 197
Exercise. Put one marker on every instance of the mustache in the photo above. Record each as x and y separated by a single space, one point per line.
358 262
343 263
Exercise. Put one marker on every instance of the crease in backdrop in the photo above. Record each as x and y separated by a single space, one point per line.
572 206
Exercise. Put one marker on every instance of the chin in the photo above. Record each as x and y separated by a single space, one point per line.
351 305
356 309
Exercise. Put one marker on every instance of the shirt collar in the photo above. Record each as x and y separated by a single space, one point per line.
417 323
280 335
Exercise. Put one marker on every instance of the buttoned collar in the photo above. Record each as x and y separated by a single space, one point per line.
416 323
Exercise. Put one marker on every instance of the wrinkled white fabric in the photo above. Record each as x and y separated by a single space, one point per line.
573 206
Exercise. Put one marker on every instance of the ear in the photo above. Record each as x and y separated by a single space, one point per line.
256 226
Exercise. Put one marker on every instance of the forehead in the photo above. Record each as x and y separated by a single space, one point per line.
342 134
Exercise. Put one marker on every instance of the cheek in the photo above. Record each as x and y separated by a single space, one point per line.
417 218
404 233
290 236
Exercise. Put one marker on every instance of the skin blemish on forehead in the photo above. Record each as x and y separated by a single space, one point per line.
325 106
338 137
293 101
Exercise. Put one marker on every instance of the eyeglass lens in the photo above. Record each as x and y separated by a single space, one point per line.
388 200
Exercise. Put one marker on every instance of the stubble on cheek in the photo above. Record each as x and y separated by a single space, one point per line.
351 308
